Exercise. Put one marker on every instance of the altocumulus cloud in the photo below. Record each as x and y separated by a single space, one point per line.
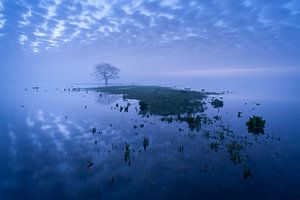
2 19
227 24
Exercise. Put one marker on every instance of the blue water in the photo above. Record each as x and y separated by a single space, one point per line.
46 145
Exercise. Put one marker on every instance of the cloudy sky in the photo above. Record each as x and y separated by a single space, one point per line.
61 39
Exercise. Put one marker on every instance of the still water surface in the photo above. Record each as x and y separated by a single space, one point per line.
48 149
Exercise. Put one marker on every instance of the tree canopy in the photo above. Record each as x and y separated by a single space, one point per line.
106 71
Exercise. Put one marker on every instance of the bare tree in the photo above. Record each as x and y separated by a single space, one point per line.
105 71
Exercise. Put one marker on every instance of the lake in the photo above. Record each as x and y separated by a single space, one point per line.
57 142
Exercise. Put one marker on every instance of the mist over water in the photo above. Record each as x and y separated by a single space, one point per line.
46 142
255 87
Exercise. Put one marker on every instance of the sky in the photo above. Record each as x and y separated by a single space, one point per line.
61 40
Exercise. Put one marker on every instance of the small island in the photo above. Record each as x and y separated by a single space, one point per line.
158 100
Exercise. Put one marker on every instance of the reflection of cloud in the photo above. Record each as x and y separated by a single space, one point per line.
12 136
53 127
46 127
53 124
40 116
29 122
76 126
63 129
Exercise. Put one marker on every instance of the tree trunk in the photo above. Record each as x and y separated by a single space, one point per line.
106 82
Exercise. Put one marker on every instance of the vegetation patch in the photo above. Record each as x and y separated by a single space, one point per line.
234 149
214 146
247 172
194 122
162 101
127 154
181 149
145 143
216 103
256 125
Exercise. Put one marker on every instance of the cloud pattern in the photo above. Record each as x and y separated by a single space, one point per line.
2 19
45 25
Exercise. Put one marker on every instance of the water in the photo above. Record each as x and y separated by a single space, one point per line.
46 146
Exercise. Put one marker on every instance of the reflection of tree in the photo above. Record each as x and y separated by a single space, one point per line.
106 99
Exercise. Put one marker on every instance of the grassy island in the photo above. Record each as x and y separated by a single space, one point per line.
161 100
